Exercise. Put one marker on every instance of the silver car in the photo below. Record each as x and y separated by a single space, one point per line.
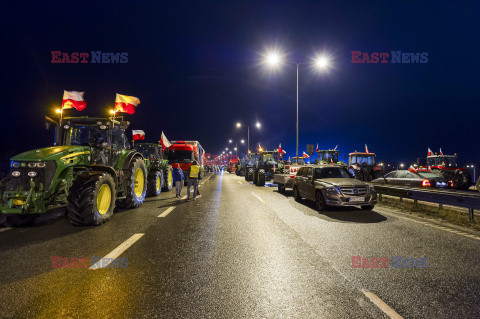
332 185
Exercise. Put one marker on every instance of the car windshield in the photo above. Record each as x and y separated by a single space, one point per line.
86 135
427 175
180 156
331 172
362 159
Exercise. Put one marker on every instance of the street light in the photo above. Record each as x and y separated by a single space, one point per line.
257 125
230 141
242 141
274 59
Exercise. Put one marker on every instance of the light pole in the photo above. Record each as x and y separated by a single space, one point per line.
273 59
257 125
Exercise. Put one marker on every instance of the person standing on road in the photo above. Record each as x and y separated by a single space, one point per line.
178 179
193 175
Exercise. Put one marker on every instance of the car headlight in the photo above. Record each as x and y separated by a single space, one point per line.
16 173
32 174
15 164
333 190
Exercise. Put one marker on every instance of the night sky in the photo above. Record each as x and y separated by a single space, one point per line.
195 65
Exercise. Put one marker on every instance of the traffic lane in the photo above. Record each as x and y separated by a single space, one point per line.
448 287
85 292
28 251
227 255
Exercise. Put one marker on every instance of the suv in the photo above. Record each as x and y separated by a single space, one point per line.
332 185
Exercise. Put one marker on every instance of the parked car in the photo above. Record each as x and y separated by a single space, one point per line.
412 179
332 185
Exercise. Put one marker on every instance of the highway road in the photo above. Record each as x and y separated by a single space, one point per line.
240 251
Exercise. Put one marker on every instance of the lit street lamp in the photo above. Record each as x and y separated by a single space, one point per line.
257 125
274 59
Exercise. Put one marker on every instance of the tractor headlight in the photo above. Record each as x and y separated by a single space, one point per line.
16 173
41 164
32 165
32 174
15 164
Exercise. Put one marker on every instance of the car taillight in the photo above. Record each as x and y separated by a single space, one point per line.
451 183
426 183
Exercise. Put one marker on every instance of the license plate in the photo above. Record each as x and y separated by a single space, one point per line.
357 199
441 184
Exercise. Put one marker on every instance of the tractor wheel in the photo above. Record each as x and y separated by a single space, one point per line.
136 184
261 178
248 174
254 176
155 183
168 182
91 199
3 219
319 201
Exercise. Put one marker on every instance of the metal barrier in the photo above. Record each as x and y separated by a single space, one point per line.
441 197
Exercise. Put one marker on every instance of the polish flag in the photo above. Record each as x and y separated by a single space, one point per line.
317 148
280 151
73 99
430 153
164 141
125 103
138 135
305 155
441 153
366 149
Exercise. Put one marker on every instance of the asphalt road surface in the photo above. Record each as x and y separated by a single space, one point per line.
240 251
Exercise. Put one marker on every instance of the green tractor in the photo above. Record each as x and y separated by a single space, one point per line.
329 157
250 166
89 169
159 172
265 165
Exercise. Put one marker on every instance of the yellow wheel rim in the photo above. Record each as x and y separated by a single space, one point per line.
159 183
139 182
170 178
104 199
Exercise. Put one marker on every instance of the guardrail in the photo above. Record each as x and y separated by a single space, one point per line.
441 197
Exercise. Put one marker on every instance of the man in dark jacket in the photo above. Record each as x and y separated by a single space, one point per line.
178 179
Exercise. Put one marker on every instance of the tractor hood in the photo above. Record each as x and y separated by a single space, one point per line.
49 153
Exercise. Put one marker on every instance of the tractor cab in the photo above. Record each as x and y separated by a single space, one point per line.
327 156
298 160
363 166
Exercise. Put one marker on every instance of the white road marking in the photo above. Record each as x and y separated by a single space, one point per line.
5 229
381 305
450 230
240 182
105 261
167 211
257 197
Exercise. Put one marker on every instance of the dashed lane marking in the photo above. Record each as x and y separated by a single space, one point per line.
5 229
167 211
105 261
257 197
381 305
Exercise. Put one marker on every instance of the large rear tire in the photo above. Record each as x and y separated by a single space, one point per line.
3 219
155 183
91 199
261 177
135 184
168 182
249 174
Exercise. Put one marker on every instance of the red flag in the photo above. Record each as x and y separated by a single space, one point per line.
164 141
73 99
305 155
317 148
138 135
125 103
366 149
441 153
280 151
429 153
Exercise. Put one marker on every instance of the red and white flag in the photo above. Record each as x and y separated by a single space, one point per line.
138 135
429 153
73 99
126 104
164 141
366 149
280 151
305 155
317 148
441 153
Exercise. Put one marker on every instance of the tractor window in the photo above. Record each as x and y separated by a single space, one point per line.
118 139
86 135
